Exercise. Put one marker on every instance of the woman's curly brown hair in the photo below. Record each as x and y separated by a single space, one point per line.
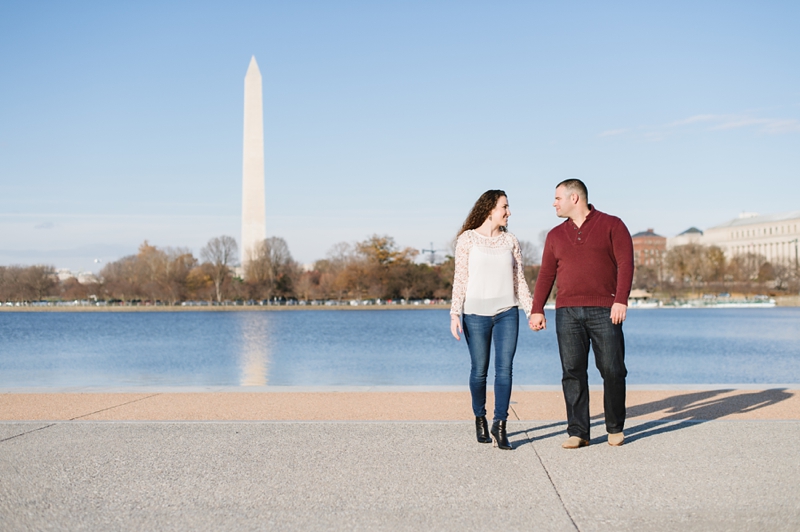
481 210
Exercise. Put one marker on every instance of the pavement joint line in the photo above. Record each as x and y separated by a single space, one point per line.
532 443
113 407
28 432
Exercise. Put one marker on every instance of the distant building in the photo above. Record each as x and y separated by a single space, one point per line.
83 277
692 235
774 236
63 274
648 248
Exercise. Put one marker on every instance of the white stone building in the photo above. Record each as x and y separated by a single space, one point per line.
775 236
692 235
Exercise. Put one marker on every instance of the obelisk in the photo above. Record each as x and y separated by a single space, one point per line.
254 215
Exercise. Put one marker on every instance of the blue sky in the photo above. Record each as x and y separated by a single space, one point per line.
122 122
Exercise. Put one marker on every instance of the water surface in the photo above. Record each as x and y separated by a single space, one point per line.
371 348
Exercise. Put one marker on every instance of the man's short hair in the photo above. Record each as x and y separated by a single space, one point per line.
577 186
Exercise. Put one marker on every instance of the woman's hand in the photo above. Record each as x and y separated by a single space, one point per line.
537 322
455 326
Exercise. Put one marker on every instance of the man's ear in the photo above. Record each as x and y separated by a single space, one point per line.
574 198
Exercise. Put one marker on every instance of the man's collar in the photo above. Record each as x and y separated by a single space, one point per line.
588 217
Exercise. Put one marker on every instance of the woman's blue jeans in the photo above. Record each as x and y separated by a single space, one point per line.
479 331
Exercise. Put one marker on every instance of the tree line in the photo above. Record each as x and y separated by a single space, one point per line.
375 268
696 268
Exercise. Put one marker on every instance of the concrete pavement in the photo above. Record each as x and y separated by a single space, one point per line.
694 459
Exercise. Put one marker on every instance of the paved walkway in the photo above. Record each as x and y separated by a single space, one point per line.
700 459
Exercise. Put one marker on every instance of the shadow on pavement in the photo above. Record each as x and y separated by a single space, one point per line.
698 407
677 412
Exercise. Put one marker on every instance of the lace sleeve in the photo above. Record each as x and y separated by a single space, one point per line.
461 274
521 291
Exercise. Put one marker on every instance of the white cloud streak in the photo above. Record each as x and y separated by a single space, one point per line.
712 122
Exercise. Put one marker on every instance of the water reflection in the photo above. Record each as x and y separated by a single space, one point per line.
391 347
255 348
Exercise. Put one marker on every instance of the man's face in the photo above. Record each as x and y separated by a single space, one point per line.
564 203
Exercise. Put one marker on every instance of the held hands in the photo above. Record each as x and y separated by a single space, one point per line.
618 313
455 326
537 322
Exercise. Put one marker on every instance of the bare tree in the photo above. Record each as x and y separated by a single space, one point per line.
336 279
119 279
40 281
531 253
12 284
714 263
271 270
744 268
153 273
221 253
8 283
179 262
784 275
543 237
687 263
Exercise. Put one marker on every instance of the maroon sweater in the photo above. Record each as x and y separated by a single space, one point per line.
593 263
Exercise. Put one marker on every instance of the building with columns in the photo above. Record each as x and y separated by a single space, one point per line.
774 236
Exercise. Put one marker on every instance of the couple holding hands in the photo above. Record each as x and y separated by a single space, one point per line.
591 257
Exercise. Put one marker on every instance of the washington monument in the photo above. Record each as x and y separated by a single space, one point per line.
254 216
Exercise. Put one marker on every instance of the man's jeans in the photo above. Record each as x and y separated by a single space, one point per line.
479 332
577 328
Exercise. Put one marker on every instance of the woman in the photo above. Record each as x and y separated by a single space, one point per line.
489 284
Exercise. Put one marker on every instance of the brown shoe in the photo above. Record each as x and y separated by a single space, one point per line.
616 439
574 442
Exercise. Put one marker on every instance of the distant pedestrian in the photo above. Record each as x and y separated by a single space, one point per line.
488 286
590 256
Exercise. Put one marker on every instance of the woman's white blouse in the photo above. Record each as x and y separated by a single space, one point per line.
489 278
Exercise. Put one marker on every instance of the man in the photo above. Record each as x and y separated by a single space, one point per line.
591 257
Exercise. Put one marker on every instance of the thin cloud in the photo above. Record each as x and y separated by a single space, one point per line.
779 127
712 122
772 126
694 120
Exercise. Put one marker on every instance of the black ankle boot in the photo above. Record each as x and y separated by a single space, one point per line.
482 430
499 435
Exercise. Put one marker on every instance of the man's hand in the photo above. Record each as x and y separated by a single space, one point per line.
618 313
455 326
537 322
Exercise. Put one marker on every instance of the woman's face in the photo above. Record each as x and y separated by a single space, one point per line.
501 212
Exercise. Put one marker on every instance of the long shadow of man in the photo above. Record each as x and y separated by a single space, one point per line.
680 411
684 410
